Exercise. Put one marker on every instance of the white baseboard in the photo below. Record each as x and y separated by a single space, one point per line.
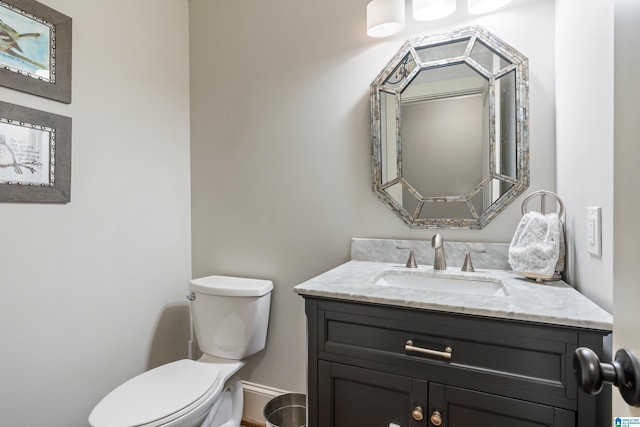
256 396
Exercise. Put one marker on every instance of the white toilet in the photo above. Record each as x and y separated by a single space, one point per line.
230 318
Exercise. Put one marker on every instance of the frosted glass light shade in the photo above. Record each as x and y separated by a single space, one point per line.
476 7
385 17
429 10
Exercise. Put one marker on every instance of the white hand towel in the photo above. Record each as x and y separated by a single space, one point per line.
537 247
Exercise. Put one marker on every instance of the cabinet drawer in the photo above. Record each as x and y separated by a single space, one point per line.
522 360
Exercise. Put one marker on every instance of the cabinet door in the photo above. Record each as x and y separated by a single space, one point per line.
462 408
354 397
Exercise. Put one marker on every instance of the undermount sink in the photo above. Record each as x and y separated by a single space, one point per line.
475 284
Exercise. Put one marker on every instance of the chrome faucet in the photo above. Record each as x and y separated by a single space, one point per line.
439 261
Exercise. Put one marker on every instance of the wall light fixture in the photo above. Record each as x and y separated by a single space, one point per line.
429 10
476 7
385 17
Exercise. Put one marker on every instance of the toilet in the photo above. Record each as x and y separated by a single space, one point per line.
230 318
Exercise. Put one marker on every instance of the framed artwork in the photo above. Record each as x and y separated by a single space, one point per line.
35 155
35 49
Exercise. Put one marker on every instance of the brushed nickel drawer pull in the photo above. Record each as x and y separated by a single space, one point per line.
446 354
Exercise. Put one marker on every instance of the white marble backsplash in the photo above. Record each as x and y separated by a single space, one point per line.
384 250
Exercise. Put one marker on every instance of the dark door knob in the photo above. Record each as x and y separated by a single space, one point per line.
624 373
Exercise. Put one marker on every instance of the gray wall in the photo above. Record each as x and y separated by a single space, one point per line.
281 144
93 291
584 131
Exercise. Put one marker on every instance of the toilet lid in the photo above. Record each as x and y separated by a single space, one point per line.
163 393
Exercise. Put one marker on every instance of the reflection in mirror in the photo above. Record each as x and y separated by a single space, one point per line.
449 121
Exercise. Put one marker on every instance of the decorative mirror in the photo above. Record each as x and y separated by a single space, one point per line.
450 129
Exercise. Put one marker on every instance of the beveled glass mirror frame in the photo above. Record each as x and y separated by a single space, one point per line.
499 185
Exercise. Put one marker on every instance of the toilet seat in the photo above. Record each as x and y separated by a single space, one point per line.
159 396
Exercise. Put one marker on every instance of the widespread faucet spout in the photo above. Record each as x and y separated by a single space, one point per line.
439 261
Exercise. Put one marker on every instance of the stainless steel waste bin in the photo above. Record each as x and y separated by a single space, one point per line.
287 410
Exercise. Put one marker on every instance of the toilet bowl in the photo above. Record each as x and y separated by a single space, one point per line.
230 317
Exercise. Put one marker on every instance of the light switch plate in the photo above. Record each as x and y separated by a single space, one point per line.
594 231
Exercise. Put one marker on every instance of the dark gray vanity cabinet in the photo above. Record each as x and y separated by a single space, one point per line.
375 366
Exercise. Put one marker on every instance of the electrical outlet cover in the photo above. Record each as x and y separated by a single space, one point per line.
594 231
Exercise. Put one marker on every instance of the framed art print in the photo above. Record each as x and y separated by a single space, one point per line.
35 49
35 155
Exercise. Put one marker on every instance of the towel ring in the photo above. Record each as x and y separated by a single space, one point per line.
543 202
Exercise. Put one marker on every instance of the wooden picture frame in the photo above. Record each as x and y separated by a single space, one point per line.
35 49
35 155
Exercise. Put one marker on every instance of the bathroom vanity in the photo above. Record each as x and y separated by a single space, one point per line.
401 355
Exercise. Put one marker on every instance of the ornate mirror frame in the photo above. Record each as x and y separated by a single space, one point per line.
497 188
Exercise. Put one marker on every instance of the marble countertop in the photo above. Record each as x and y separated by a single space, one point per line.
551 302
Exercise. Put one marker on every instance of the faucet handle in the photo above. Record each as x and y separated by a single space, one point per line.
411 262
468 266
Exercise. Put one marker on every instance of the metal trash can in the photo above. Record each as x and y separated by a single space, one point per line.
287 410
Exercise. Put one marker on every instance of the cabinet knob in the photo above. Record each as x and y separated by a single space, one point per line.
417 413
436 418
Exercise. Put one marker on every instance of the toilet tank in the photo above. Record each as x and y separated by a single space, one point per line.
230 315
